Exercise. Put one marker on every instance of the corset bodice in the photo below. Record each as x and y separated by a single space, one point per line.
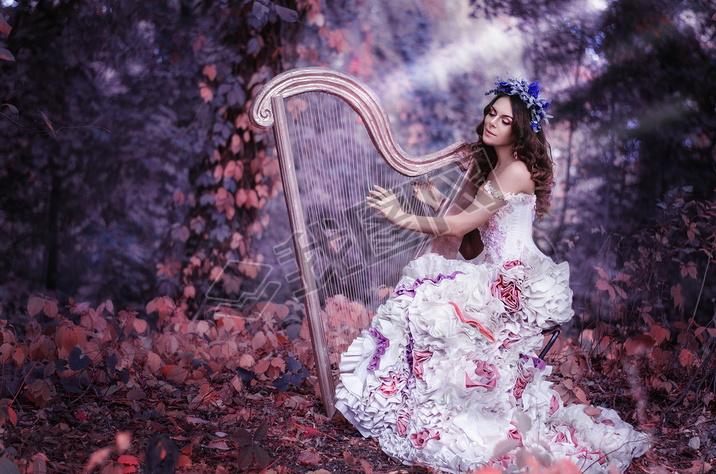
507 235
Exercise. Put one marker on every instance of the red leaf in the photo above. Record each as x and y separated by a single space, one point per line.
676 295
252 199
309 458
50 308
686 358
236 144
219 444
66 337
206 93
128 459
136 394
183 461
262 366
35 305
6 55
162 305
5 27
659 333
174 373
210 71
604 285
367 467
602 273
241 197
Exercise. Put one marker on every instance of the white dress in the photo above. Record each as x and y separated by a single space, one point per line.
448 369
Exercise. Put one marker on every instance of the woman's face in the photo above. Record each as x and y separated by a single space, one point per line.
498 124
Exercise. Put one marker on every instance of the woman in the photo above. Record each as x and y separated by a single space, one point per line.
447 374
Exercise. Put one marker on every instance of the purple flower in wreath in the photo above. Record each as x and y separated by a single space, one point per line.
533 89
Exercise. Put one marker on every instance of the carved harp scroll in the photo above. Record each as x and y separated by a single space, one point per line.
269 109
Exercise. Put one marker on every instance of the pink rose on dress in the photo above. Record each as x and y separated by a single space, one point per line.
392 384
418 358
520 384
401 426
512 264
486 376
587 456
553 405
511 338
514 433
505 461
508 293
419 440
565 435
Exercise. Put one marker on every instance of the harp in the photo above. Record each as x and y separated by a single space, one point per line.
334 143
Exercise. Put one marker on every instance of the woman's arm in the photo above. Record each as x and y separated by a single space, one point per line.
514 178
457 225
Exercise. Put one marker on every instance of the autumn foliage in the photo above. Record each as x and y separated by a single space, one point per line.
131 177
234 383
80 357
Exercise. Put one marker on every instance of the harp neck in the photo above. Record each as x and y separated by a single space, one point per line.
367 105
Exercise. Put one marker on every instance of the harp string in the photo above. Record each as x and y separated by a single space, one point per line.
355 252
360 155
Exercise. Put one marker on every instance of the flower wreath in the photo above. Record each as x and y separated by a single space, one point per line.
529 94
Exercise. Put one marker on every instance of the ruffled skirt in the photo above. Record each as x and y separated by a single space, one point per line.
447 374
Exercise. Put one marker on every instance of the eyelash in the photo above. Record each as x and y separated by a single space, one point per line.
492 113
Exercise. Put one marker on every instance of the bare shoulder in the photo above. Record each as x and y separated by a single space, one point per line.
516 178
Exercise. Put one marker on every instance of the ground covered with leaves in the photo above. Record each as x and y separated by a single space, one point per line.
97 390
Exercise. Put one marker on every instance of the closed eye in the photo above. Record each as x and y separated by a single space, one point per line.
507 120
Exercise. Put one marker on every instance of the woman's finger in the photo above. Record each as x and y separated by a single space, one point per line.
381 190
375 202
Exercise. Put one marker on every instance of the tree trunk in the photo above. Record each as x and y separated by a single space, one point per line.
52 243
567 181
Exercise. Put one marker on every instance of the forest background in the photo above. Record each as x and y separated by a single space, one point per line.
130 176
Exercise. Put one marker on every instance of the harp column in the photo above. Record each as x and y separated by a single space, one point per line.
301 244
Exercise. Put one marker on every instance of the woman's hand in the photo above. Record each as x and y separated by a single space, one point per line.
386 202
427 193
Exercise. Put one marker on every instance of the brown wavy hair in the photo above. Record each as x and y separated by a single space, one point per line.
532 149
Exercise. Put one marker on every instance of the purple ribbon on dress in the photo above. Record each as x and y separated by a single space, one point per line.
380 348
539 363
410 289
